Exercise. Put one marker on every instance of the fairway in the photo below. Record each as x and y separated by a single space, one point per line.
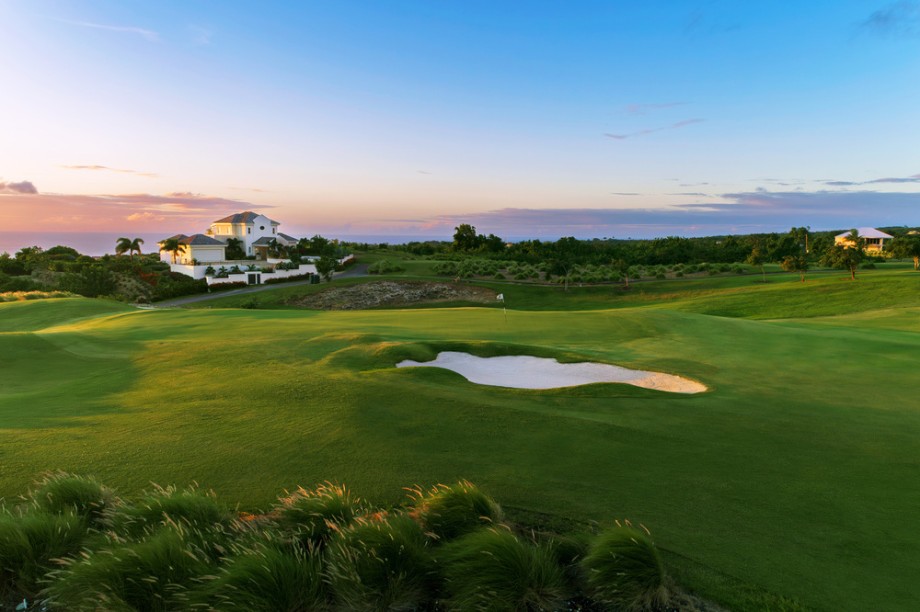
795 472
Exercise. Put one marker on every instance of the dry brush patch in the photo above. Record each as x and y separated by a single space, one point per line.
383 294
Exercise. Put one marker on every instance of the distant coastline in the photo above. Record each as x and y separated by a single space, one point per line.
100 243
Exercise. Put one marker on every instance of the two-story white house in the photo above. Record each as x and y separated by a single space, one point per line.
205 255
254 230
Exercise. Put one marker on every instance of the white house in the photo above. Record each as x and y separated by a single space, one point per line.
204 255
875 240
254 230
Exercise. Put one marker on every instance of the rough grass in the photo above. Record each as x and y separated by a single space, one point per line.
623 569
806 441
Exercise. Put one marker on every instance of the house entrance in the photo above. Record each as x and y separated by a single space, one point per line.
255 279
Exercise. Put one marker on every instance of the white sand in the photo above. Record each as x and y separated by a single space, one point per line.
526 372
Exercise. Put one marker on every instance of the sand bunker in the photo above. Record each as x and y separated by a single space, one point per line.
526 372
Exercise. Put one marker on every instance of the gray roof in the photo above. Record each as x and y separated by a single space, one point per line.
179 237
263 241
243 217
201 240
288 238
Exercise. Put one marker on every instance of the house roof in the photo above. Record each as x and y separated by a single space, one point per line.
867 232
201 240
263 241
179 237
243 217
286 237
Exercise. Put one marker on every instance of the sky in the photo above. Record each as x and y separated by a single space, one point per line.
535 119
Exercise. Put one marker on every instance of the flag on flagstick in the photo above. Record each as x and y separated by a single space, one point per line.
500 297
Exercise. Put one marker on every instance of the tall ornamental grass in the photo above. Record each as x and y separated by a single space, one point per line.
492 569
449 511
381 563
624 570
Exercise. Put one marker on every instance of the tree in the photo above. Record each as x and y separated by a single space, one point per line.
757 258
325 266
234 249
172 245
122 246
801 235
128 245
907 246
622 266
796 263
847 254
465 238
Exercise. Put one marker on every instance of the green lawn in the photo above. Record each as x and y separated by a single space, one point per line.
795 474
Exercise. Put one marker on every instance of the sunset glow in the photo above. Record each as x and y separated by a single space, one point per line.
542 119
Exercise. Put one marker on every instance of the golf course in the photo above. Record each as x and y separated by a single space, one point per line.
791 480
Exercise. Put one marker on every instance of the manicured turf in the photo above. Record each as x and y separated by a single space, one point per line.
796 473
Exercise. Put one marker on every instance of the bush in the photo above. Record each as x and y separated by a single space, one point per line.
623 569
492 569
269 578
153 574
63 493
868 266
313 515
381 563
451 511
190 507
30 543
384 267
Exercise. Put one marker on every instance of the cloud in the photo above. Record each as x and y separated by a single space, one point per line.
623 193
120 170
147 34
890 179
253 189
22 187
641 109
898 19
673 126
730 213
181 210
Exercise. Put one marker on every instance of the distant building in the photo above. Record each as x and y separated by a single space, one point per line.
205 255
875 240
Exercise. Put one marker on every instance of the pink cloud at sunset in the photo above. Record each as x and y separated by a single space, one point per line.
58 212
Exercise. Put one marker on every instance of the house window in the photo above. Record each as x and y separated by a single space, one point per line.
262 228
248 230
273 230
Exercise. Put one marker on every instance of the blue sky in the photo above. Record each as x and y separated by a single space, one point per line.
537 119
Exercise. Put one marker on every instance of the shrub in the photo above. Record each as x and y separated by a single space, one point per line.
384 267
168 505
492 569
623 569
315 514
62 493
29 545
153 574
451 511
868 266
660 276
381 563
269 578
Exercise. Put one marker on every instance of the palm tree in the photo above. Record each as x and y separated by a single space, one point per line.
122 246
172 245
136 246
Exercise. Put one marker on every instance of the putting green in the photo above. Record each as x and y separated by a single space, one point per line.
796 471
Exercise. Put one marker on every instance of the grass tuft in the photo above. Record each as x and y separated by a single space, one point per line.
381 563
61 493
448 512
492 569
623 569
314 515
166 505
270 577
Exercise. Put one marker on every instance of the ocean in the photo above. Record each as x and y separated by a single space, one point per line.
100 243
